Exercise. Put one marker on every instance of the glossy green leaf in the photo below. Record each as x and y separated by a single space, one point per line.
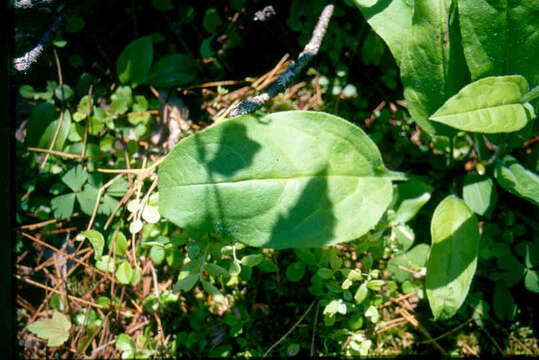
361 293
516 179
412 195
404 236
96 239
489 105
479 193
63 205
55 330
413 260
135 61
453 256
173 70
500 37
288 179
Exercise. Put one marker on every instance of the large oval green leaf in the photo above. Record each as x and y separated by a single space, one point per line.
135 61
289 179
453 256
490 105
501 37
172 70
516 179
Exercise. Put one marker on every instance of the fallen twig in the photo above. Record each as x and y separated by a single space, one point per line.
311 49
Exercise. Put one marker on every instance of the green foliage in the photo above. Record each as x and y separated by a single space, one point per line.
489 105
135 61
54 330
453 256
335 192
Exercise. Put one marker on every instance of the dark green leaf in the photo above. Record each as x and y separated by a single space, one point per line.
96 239
295 271
135 61
499 38
87 199
503 303
173 70
212 20
532 281
64 92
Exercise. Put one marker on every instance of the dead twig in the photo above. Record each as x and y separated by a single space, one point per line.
311 49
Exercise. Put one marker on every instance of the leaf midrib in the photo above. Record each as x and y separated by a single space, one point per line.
437 117
281 179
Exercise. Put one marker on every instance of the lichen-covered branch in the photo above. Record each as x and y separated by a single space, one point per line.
311 49
23 63
26 4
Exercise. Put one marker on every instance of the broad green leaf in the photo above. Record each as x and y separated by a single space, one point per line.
63 205
404 236
120 102
500 37
453 256
211 289
306 256
55 330
516 179
124 273
173 70
479 193
412 260
372 314
503 303
96 239
391 20
288 179
27 91
490 105
412 195
157 254
334 307
75 178
295 271
433 67
135 61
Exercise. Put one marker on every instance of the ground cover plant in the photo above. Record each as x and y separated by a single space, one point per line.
376 195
